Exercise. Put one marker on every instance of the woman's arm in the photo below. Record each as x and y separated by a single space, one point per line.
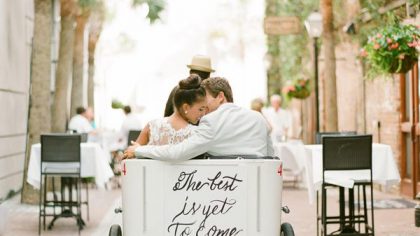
143 138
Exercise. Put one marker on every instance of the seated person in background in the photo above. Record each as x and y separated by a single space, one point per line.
81 121
227 130
131 122
190 105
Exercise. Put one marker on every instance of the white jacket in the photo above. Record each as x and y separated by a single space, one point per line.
229 130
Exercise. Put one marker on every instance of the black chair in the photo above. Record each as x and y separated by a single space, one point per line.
345 153
84 137
320 135
60 156
132 136
85 181
318 140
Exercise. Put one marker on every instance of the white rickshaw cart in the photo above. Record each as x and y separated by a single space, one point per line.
210 197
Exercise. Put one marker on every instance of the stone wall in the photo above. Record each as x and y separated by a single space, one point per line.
16 22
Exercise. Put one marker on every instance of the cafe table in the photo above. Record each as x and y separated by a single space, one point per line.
94 163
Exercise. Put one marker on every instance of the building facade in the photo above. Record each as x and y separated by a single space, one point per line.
16 24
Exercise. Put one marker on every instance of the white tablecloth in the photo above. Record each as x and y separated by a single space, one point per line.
292 154
384 169
93 160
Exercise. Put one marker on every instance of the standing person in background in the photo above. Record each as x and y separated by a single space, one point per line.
201 66
280 119
131 122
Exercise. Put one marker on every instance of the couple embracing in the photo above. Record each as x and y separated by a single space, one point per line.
223 127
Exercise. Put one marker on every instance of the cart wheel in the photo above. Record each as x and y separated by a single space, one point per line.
287 230
115 230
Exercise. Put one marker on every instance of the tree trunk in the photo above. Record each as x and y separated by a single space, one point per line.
77 91
353 10
65 60
274 83
91 72
330 92
95 28
39 111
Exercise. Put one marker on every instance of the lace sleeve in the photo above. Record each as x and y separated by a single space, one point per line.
162 133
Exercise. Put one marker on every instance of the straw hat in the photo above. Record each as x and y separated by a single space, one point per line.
201 63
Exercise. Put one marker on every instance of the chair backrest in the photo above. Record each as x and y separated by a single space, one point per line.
60 147
83 137
132 136
347 152
320 135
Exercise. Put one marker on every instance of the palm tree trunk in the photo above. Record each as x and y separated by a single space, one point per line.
330 91
96 21
39 111
93 39
77 91
59 109
91 73
274 84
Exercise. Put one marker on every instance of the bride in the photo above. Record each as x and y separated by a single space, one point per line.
190 105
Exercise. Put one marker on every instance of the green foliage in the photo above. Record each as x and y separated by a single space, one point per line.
294 48
375 24
272 8
392 49
155 8
371 8
298 88
116 104
87 3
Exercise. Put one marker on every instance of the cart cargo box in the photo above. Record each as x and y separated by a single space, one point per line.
202 197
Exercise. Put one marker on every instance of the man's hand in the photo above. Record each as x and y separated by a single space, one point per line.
130 151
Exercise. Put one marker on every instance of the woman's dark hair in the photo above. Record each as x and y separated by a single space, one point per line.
189 91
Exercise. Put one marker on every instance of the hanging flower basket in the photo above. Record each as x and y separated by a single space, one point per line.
392 49
299 89
401 66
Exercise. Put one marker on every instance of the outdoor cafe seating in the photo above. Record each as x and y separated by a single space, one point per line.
54 147
60 157
347 153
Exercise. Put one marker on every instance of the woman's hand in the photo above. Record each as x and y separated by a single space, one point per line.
130 151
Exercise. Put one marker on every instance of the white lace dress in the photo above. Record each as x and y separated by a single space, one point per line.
162 132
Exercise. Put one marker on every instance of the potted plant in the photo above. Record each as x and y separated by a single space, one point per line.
299 89
392 49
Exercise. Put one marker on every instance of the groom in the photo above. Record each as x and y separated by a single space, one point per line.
227 130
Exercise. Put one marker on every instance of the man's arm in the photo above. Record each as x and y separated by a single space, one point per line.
197 144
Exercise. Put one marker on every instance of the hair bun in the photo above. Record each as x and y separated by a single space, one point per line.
192 82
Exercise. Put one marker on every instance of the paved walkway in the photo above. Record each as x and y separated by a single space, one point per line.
23 219
388 222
